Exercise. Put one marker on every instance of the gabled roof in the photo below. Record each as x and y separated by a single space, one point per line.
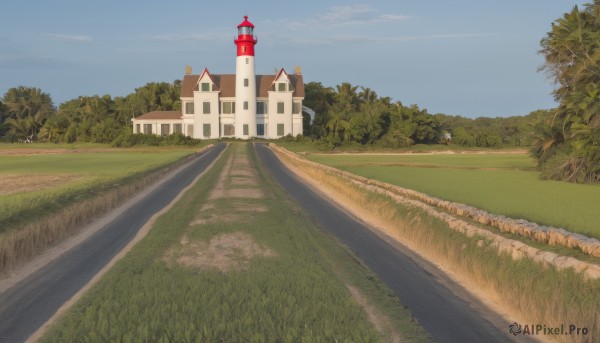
225 83
166 115
282 71
207 73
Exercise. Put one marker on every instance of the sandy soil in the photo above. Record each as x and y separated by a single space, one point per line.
380 321
225 252
238 180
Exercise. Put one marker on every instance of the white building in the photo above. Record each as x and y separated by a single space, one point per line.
241 105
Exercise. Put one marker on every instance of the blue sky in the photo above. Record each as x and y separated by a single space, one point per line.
466 57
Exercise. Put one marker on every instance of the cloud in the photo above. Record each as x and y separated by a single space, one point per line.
210 37
366 39
345 15
372 39
68 37
20 63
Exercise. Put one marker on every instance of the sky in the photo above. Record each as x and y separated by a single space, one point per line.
463 57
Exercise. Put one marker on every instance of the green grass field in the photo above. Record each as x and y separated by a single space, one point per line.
506 184
38 179
193 279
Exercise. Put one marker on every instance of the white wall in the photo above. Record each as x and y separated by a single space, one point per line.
199 117
244 69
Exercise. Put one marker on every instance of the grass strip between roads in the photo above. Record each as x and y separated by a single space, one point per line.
236 260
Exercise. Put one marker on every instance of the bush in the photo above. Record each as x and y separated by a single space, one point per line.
395 139
106 131
128 139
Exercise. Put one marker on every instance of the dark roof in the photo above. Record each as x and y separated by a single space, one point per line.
161 115
226 84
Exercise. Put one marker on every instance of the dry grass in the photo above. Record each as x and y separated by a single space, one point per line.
10 184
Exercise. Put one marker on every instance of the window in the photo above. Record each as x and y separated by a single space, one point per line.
137 128
206 130
177 128
189 108
280 107
228 107
245 30
245 105
260 129
279 129
190 130
205 86
244 48
245 82
206 107
282 87
228 130
245 129
261 107
296 106
164 129
247 60
147 129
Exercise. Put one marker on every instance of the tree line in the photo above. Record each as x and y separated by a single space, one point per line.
27 112
355 115
565 140
345 115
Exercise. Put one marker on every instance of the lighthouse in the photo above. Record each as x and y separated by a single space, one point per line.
245 81
241 105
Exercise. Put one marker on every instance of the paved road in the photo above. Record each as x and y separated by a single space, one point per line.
447 312
29 304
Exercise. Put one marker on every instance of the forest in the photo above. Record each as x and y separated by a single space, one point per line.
564 140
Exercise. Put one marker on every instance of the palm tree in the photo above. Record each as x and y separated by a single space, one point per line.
572 52
346 95
26 110
337 126
55 127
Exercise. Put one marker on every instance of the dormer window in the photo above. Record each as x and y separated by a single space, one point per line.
205 86
282 87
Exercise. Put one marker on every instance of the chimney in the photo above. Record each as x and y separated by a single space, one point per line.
188 70
298 70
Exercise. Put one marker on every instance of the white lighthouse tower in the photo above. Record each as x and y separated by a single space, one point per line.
245 82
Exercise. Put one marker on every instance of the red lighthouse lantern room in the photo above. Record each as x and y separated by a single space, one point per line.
246 40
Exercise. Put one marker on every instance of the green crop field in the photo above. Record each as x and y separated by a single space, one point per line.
38 179
506 184
235 260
